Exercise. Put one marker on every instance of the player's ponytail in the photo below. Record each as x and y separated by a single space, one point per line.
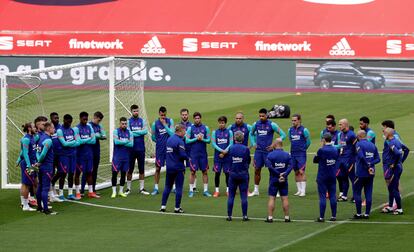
26 127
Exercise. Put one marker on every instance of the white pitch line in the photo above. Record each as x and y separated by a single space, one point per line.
314 153
326 229
251 218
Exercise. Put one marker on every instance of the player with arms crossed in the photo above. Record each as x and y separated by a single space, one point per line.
123 143
138 128
279 164
198 136
184 112
161 129
100 134
176 155
67 157
367 158
262 137
240 125
239 175
85 135
222 140
299 137
40 129
54 119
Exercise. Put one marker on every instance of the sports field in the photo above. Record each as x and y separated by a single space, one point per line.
134 223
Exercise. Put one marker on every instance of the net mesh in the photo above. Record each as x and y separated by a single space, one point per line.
70 90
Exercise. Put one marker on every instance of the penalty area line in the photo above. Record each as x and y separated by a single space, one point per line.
224 217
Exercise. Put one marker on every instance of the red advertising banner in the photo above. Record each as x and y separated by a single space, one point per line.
208 45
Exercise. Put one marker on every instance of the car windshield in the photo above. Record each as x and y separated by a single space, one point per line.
360 69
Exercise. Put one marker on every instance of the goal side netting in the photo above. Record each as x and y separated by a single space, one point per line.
109 85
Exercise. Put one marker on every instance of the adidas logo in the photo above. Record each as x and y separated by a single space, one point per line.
153 46
342 48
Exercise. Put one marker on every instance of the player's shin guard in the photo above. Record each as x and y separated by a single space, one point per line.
55 178
114 178
217 179
62 181
122 180
83 182
94 174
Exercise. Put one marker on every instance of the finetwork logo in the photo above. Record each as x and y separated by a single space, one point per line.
153 46
92 44
6 43
283 47
395 46
342 48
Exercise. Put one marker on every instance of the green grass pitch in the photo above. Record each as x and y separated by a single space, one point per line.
125 227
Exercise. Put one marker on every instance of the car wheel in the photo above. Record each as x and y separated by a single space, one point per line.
368 85
324 84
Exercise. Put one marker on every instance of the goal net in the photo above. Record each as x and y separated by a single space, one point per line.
109 85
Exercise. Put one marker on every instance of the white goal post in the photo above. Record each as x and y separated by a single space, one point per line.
110 85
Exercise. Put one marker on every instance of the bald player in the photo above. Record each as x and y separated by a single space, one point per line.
346 161
366 159
279 164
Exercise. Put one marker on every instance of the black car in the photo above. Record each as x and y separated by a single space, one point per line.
346 74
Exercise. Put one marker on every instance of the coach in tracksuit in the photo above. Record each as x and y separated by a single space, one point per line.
176 155
366 159
393 156
279 164
239 174
326 158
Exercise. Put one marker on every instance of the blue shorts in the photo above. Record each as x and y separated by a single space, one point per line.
140 157
199 163
26 178
222 166
160 157
84 165
345 166
120 165
259 159
67 164
275 186
299 163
